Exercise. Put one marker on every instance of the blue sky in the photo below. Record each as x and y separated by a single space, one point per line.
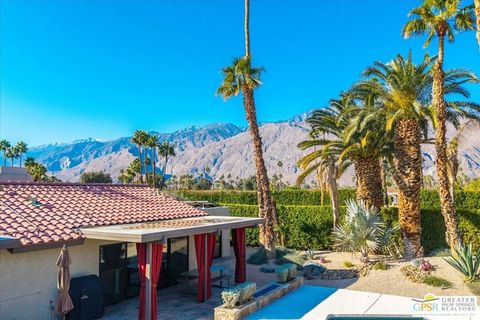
101 69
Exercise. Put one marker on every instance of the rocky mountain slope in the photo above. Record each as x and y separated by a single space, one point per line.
223 148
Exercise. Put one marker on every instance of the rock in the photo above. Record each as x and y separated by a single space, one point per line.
312 269
266 268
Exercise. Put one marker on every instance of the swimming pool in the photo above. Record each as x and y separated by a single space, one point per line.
320 303
295 304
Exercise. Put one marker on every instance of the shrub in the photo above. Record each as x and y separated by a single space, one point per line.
258 258
361 231
414 274
239 294
348 264
289 256
437 282
474 287
247 290
466 261
425 265
380 265
286 272
230 298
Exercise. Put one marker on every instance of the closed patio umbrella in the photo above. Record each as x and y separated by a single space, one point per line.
64 302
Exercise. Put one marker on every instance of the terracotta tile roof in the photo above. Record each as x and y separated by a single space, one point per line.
41 213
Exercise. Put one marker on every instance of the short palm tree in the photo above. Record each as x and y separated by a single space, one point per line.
4 146
165 150
441 18
404 89
340 135
139 138
22 148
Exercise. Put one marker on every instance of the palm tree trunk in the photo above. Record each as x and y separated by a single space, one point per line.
477 14
164 169
446 202
141 163
369 181
407 173
153 166
20 160
332 184
4 159
267 208
384 182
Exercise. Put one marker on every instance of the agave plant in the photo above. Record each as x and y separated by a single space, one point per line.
362 230
464 260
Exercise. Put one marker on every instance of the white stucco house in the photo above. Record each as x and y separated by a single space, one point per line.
102 226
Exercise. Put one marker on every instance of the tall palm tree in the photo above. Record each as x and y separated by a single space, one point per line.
477 14
153 143
404 89
22 148
4 145
139 138
10 153
441 18
241 77
165 150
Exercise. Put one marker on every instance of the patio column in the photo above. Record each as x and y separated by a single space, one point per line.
239 247
149 257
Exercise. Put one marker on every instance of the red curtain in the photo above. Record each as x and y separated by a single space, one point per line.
210 250
157 254
200 240
200 253
142 262
239 242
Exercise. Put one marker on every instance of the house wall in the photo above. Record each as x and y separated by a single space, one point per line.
28 280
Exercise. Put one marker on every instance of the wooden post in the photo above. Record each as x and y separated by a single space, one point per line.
148 283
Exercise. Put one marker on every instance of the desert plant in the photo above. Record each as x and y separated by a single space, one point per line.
258 258
464 260
474 287
286 272
348 264
362 230
380 265
425 265
437 282
246 289
230 297
414 274
310 254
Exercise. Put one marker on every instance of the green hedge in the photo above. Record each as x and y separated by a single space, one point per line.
463 199
286 197
430 199
304 226
309 227
433 227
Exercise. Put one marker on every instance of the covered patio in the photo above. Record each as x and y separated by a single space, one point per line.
150 238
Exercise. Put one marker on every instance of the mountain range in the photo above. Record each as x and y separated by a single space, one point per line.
223 148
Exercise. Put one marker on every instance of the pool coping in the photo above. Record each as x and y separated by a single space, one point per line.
221 313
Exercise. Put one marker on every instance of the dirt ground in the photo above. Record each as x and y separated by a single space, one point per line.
389 281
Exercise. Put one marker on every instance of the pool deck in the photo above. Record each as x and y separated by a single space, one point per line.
315 303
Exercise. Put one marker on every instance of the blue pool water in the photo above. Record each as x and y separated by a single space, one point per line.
295 304
266 290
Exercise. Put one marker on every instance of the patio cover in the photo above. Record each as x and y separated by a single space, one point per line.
161 230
